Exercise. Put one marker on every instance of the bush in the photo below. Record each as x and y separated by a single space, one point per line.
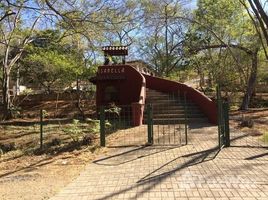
16 111
113 109
7 147
74 131
247 122
87 139
56 142
94 125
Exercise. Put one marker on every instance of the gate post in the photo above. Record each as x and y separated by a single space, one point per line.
150 123
102 126
220 118
186 119
41 128
226 123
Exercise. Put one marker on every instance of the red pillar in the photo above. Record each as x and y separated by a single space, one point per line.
137 113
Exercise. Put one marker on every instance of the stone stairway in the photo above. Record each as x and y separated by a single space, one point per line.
170 108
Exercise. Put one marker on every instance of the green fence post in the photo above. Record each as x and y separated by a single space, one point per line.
226 123
41 128
150 123
220 117
102 126
186 119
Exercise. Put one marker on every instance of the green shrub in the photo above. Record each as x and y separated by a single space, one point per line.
74 130
16 111
113 109
94 125
265 138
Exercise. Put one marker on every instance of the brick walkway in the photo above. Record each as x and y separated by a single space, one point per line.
195 171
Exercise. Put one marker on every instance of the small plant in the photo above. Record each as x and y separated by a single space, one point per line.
1 152
113 109
7 147
45 113
247 122
27 91
87 139
265 137
56 142
107 124
94 125
16 111
74 131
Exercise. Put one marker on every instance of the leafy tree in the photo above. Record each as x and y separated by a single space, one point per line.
20 20
259 17
164 35
51 63
220 17
13 41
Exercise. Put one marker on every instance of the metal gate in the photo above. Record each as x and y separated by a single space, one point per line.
116 128
165 131
249 129
223 120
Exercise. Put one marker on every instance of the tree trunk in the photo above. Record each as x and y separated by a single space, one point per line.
166 42
18 83
210 80
79 99
5 93
251 82
201 76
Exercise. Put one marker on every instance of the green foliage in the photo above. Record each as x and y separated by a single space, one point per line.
16 111
51 63
265 137
45 113
51 68
221 23
94 125
113 109
164 36
27 91
74 130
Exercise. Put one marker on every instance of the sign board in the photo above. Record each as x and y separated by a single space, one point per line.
110 73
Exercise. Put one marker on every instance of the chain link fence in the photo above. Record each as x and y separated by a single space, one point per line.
249 128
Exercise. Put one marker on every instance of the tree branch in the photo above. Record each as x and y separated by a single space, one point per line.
6 15
216 46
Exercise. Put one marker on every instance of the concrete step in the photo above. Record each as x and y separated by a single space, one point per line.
167 115
168 102
163 98
170 116
176 111
163 106
177 121
171 108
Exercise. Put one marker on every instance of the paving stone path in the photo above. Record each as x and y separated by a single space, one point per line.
194 171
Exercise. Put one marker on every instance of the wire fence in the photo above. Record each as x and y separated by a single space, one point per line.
47 135
249 128
119 129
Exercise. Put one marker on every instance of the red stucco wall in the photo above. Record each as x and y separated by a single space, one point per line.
131 84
